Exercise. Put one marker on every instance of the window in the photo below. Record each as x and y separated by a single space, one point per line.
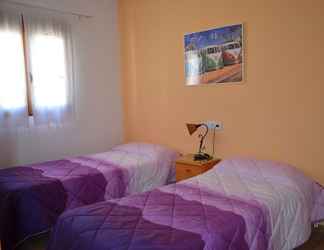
12 65
35 68
210 51
49 77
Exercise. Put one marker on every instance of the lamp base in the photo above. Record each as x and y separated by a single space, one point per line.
202 157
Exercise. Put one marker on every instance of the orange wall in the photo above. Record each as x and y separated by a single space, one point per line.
276 114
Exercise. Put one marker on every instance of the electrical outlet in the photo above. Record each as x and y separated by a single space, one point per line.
214 125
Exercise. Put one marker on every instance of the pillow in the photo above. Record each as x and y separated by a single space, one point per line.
276 173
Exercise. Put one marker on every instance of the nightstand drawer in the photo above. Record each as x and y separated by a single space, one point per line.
187 171
187 167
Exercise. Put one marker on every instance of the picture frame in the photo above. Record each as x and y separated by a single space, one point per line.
214 56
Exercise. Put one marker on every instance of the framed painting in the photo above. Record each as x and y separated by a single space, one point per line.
214 56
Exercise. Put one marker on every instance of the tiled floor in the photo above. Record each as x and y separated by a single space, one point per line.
316 242
37 243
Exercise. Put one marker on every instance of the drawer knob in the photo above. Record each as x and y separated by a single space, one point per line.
188 170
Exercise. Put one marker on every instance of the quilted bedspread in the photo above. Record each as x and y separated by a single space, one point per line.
240 204
32 197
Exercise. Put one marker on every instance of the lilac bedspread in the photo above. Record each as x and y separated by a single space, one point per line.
241 204
32 197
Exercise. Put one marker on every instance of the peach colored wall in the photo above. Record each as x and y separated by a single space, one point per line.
276 114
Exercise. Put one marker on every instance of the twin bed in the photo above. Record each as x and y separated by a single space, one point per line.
240 204
32 197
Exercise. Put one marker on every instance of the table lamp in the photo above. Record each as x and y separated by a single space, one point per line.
192 128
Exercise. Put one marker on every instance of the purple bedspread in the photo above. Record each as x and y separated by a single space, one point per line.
242 204
32 197
156 220
31 202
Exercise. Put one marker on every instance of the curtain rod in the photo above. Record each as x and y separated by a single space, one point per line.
47 9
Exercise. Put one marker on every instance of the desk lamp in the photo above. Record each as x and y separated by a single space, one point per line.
192 128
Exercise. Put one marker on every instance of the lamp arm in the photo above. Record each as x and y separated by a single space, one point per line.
203 138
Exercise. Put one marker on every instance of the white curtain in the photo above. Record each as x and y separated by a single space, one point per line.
50 58
13 101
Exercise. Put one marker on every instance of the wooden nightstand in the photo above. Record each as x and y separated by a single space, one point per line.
186 167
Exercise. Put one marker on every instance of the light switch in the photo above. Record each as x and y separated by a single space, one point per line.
214 125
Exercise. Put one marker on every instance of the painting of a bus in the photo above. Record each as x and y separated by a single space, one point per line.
214 56
232 53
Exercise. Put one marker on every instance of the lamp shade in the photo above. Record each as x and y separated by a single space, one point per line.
192 128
